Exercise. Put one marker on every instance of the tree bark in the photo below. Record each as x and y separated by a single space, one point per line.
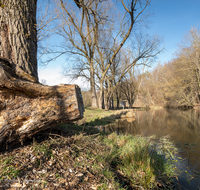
26 106
18 39
117 96
92 84
101 95
106 96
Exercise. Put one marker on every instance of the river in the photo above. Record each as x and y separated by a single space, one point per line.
183 127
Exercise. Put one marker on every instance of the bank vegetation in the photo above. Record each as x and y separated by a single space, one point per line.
81 157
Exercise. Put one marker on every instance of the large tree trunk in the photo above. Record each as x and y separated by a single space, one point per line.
18 36
26 106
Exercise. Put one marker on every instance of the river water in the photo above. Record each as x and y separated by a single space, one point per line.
183 127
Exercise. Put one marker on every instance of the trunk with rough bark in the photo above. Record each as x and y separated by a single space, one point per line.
101 96
92 84
26 106
18 39
130 99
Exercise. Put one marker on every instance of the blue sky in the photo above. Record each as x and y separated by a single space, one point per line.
170 19
173 19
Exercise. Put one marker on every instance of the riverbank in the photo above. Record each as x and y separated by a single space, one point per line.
94 117
78 156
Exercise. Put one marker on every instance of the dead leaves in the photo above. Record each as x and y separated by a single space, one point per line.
51 165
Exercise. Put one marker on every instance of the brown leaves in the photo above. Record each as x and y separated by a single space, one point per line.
50 164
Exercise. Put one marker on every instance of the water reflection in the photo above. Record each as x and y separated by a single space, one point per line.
182 126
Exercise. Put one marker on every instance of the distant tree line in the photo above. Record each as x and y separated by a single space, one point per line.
173 84
176 83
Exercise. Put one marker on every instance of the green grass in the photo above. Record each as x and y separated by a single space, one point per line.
98 116
141 160
42 149
124 161
8 169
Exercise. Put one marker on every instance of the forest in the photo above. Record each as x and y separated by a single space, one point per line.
176 83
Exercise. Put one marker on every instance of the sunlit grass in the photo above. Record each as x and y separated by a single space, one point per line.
124 161
92 115
142 160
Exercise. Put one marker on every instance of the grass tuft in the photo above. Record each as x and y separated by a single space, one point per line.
141 160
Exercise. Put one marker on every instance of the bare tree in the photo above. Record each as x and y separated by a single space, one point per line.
144 47
134 10
130 84
189 56
143 53
80 29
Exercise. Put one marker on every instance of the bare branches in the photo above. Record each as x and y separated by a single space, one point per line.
95 33
133 18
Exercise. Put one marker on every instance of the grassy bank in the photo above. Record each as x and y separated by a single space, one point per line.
89 160
100 117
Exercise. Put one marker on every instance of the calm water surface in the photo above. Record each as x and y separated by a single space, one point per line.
183 127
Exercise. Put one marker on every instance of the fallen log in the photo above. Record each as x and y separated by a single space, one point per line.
27 107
